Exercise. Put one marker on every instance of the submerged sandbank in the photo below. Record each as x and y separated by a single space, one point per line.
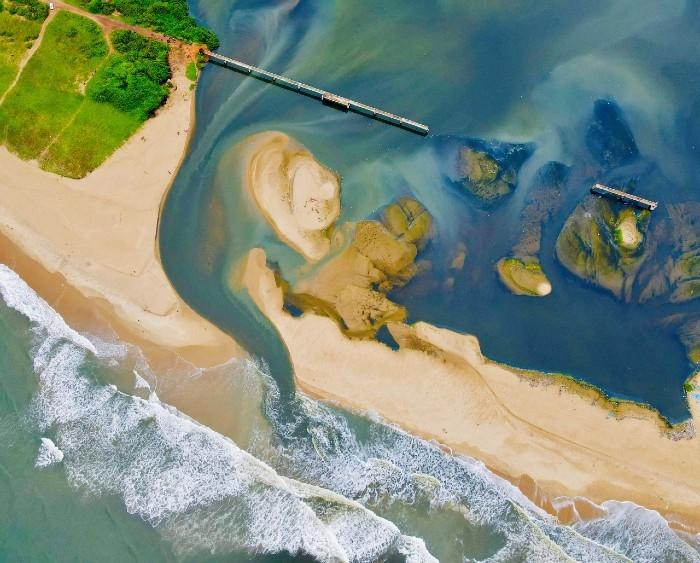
438 385
98 236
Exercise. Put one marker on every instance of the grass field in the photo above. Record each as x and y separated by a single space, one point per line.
124 92
16 36
49 91
74 104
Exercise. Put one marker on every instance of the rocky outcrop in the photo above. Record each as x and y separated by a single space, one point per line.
677 278
352 287
609 138
523 277
489 170
593 247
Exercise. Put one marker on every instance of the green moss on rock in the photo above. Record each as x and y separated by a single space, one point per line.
483 176
603 245
524 276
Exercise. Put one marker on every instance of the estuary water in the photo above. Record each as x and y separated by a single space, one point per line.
503 75
96 466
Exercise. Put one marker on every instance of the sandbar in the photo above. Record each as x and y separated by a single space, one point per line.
548 435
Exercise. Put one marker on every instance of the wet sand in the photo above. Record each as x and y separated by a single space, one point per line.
90 246
567 438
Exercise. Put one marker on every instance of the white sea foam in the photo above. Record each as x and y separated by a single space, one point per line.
19 296
48 454
640 533
206 495
392 464
198 488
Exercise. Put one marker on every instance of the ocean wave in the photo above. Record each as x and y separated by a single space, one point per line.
318 445
328 486
202 492
48 454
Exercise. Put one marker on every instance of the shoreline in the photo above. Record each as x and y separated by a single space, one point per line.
90 246
552 438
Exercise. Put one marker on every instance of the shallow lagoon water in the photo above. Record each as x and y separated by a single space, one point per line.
526 73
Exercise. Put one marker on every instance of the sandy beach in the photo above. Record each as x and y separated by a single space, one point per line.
525 427
90 246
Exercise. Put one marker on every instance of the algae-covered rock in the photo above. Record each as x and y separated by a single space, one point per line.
544 199
408 220
523 276
690 336
677 279
388 253
627 235
609 138
352 287
593 247
489 171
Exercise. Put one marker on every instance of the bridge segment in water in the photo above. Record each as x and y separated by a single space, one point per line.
624 197
327 98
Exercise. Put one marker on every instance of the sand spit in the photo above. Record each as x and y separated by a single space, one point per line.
299 197
439 386
96 238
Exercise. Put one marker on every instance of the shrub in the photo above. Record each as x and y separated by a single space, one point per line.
34 10
170 17
133 80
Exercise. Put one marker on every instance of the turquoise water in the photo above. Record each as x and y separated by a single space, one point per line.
94 467
528 73
126 476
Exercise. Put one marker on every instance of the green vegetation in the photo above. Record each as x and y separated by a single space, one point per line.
17 33
48 93
74 105
191 71
170 17
688 387
133 80
33 10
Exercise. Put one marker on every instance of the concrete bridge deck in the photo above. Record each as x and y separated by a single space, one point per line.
327 98
602 189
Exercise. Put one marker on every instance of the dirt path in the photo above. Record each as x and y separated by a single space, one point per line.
28 55
110 24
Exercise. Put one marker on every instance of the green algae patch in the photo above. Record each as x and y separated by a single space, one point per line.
604 246
484 177
524 277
